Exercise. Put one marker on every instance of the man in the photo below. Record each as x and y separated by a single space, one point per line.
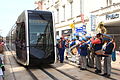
61 47
107 60
97 46
83 53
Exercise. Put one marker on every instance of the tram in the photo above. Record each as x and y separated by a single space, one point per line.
33 38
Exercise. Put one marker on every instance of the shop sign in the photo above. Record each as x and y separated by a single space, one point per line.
93 22
79 29
112 16
72 25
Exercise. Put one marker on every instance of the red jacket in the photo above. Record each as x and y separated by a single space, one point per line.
96 41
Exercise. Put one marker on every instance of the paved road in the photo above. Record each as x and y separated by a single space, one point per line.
17 72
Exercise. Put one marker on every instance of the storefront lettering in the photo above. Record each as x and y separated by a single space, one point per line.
112 16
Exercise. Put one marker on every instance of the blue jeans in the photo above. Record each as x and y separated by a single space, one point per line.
61 52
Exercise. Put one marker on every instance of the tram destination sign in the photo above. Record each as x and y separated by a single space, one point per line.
112 16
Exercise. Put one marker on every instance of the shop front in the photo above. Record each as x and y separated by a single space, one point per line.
111 20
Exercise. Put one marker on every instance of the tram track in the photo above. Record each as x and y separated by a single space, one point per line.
68 76
50 73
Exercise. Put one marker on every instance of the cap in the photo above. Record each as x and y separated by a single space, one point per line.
84 39
88 37
80 39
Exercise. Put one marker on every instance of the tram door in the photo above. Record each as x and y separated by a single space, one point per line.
21 52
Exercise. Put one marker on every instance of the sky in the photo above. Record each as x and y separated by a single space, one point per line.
10 10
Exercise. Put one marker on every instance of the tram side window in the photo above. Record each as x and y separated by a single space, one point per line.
21 34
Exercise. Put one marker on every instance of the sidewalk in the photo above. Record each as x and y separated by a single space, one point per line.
115 71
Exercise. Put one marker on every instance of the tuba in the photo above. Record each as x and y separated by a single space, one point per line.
101 29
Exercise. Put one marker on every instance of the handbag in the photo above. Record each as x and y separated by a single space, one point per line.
113 55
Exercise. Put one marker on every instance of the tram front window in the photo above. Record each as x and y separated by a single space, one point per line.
36 31
37 28
38 24
41 34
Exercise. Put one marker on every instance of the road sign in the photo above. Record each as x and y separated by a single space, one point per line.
72 25
79 29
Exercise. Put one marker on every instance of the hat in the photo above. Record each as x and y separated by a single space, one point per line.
74 38
80 39
84 39
76 34
88 37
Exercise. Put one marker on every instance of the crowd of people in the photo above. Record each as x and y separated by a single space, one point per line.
91 50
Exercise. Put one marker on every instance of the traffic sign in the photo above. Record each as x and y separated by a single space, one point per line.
72 25
79 29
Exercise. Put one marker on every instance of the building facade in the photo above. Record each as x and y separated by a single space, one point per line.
68 13
110 16
73 16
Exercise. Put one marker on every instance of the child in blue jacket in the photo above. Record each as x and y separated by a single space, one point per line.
83 53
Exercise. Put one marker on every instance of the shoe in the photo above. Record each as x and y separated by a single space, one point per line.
83 69
104 74
95 67
108 75
61 61
3 68
79 67
90 67
98 71
66 58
